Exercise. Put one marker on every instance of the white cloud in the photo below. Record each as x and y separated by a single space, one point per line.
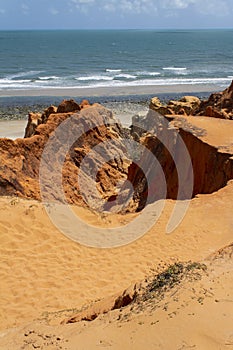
211 7
207 7
214 7
25 9
82 5
82 2
137 6
109 7
54 11
176 4
120 6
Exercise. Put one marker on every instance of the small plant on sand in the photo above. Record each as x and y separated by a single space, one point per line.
172 276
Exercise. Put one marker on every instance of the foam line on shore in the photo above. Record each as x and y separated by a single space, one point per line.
112 91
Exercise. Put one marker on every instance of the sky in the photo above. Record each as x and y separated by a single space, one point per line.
115 14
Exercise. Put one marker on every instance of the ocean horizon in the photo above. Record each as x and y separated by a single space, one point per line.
54 59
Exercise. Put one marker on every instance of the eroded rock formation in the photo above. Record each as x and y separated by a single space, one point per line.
168 140
186 105
34 120
174 149
21 158
219 105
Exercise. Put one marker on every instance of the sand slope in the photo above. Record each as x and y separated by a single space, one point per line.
43 271
195 314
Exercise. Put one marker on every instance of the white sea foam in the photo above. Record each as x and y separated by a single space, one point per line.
8 83
162 82
152 74
126 76
94 77
175 68
89 82
23 74
113 70
52 77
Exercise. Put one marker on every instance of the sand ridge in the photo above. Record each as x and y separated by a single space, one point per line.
194 313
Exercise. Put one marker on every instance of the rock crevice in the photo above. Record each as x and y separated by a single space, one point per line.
165 138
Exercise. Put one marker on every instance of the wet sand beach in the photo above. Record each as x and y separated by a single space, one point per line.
112 91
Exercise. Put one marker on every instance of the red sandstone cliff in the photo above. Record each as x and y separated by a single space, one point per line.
218 105
212 163
181 147
20 159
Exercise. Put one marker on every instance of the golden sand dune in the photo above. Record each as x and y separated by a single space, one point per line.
42 271
46 277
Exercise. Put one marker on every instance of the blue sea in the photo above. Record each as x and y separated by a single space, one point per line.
110 58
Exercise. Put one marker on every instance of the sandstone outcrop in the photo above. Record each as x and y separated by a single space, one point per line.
34 119
20 159
186 105
84 104
211 156
219 105
164 138
159 106
67 106
47 112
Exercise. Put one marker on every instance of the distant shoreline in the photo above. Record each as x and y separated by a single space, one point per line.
111 91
